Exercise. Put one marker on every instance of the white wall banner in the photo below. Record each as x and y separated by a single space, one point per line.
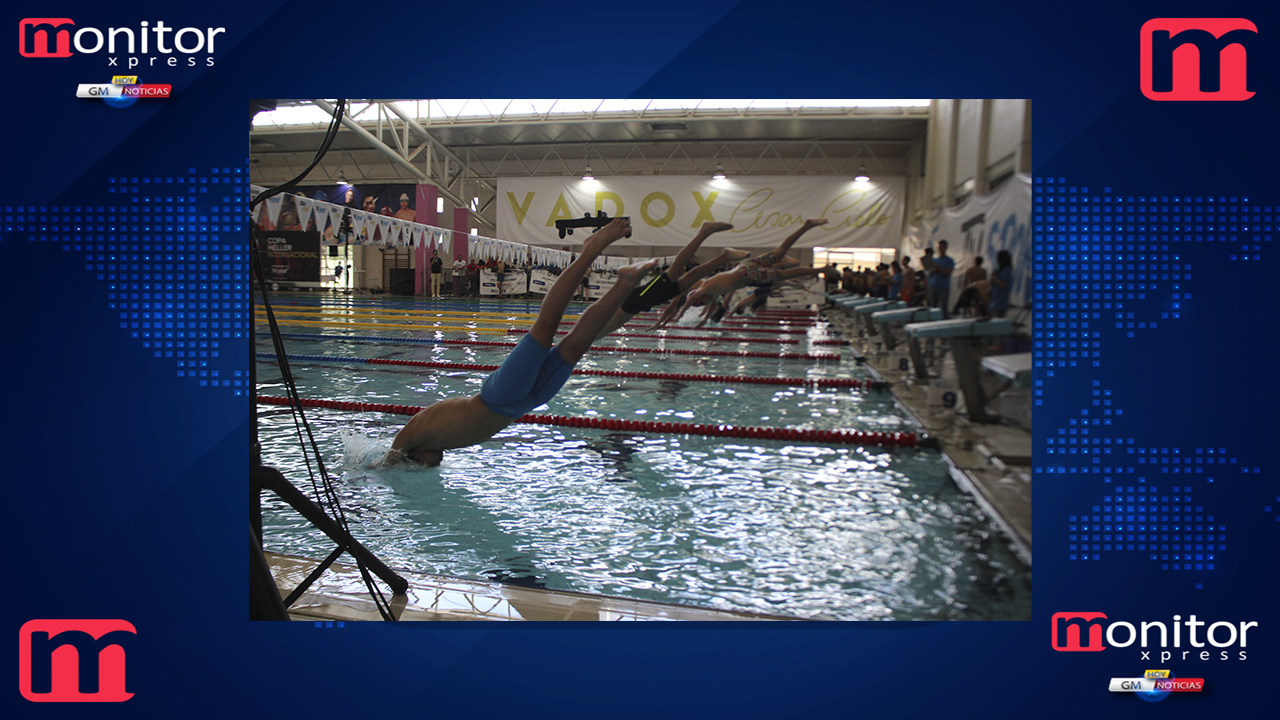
599 283
513 283
669 210
982 226
540 281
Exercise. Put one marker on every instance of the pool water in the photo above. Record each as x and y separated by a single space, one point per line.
805 530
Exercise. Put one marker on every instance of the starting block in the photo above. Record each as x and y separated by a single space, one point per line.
887 319
960 333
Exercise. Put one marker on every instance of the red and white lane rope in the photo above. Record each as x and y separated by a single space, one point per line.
838 437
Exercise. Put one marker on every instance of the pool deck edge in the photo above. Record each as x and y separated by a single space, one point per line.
989 462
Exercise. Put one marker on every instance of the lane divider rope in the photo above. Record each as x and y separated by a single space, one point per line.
837 437
687 377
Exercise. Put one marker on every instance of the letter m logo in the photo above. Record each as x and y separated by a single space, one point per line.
74 660
1076 632
1197 59
40 37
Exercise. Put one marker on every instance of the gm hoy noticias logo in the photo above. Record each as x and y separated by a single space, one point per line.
1176 640
1197 59
74 660
145 45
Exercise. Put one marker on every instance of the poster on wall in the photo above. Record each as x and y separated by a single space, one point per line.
291 256
669 210
390 200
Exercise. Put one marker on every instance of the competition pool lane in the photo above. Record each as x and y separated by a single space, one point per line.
807 530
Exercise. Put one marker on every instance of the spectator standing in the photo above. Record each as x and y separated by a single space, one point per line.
437 273
1001 284
459 276
908 280
940 278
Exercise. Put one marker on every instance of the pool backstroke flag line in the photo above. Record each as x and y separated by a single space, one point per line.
668 210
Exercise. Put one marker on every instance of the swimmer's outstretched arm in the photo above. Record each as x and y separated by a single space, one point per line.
672 311
741 304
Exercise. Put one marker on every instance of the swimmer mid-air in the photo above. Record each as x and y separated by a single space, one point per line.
759 270
674 280
534 371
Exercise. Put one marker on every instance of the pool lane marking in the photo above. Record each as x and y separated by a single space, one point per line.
734 323
388 340
508 319
839 437
743 379
666 351
423 326
693 338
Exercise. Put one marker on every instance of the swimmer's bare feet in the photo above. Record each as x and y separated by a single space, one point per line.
605 236
731 255
815 222
632 274
715 227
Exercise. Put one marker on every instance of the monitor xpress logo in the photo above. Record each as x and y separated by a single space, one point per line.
127 47
74 660
1196 59
1084 632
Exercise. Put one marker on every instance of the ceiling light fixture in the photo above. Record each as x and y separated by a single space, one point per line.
587 175
862 174
719 172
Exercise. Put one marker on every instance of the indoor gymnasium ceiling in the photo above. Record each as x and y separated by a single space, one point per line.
464 146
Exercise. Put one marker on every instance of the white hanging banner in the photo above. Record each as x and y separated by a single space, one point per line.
273 208
305 205
325 222
384 229
335 216
669 210
983 225
360 227
397 232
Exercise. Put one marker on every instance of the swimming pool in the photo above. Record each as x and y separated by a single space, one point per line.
800 529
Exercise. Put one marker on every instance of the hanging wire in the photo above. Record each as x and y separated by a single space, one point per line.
325 489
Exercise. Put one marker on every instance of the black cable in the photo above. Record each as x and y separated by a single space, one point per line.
326 489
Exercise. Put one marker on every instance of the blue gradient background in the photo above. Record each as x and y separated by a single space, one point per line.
127 483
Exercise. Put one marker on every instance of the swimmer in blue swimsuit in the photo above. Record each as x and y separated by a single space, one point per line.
534 371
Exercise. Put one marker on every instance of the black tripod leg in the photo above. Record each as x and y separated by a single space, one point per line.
264 597
271 479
